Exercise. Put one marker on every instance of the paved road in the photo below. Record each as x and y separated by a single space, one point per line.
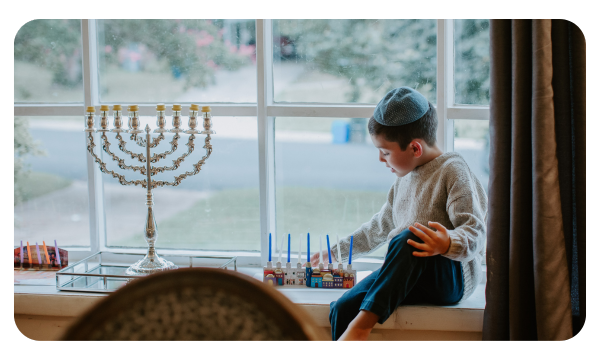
234 163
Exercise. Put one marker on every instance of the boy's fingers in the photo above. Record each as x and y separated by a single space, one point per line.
417 245
420 234
421 253
426 230
438 226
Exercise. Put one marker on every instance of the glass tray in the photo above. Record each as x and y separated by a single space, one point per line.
104 271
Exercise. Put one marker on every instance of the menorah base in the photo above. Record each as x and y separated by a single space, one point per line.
148 266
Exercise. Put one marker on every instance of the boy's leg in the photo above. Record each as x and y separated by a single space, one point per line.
403 273
345 309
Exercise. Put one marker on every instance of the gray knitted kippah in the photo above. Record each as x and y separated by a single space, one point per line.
401 106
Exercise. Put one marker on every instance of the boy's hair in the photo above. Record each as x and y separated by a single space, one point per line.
425 128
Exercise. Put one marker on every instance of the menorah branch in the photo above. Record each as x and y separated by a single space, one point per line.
157 157
178 161
123 148
120 162
121 178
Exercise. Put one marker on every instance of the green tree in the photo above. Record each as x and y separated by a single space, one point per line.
24 146
191 47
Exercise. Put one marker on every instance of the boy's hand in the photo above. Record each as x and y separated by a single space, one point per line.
314 260
435 242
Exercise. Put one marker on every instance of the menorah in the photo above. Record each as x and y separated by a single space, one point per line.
151 263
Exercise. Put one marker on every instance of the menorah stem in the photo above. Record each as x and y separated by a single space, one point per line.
151 263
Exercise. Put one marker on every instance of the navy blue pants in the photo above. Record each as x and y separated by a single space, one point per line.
402 280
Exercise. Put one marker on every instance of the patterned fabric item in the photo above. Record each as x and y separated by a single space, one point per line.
443 190
401 106
190 314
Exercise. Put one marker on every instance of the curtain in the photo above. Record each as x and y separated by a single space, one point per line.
536 221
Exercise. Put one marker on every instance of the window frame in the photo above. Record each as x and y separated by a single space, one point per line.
265 110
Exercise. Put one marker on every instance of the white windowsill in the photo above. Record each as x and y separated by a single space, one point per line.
467 316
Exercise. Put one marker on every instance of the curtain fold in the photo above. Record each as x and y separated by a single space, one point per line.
536 229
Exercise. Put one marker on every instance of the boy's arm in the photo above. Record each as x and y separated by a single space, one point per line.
371 234
467 209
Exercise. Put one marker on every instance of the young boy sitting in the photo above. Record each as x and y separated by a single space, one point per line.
434 219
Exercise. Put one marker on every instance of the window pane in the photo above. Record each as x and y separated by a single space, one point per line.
51 190
352 61
472 141
177 60
472 61
217 209
324 182
48 64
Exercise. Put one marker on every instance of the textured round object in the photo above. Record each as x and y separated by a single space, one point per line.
205 109
104 108
196 304
194 107
161 107
90 109
117 108
401 106
176 108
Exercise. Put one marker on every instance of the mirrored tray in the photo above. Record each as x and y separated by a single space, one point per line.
105 271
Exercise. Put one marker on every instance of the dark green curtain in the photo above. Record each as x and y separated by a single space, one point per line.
536 223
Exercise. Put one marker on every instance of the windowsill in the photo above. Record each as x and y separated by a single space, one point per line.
466 316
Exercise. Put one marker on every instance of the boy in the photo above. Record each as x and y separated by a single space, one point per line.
440 266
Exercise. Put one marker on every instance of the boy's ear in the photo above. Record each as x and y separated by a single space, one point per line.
417 148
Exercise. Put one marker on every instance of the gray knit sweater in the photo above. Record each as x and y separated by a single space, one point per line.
443 190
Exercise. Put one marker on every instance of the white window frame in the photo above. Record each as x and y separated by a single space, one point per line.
265 111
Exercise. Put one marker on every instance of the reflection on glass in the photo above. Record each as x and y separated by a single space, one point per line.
177 60
472 141
324 182
352 61
472 61
48 65
51 189
217 209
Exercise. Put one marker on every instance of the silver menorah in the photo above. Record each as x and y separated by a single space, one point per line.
151 263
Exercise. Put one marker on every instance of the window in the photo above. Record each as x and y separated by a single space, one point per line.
290 102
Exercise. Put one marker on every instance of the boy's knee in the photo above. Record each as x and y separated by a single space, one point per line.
399 241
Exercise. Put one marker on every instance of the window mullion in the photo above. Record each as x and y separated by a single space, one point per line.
90 88
266 128
449 83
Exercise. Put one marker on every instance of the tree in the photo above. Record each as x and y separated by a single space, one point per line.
190 47
24 146
384 54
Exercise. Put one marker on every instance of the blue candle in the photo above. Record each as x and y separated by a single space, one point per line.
269 246
57 253
328 249
350 257
289 242
308 247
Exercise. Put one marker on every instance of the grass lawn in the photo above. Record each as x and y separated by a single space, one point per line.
230 219
36 184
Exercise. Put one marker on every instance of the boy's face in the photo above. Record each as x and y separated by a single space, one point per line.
400 162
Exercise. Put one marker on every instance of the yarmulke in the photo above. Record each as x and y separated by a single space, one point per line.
401 106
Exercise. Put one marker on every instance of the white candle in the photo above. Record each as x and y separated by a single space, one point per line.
337 242
320 249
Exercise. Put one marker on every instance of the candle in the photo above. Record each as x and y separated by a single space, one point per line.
57 253
29 254
21 252
289 241
308 247
37 251
328 249
269 246
46 252
350 257
337 242
320 249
